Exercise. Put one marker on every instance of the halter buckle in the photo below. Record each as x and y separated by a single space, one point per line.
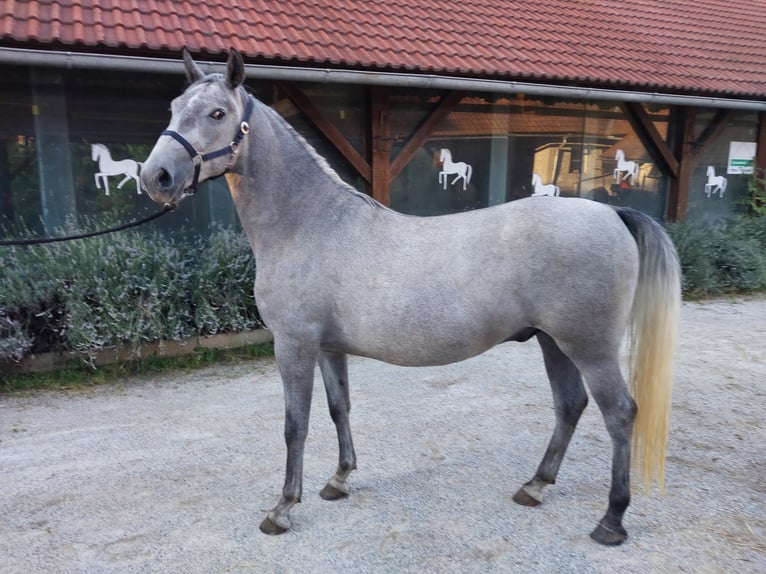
244 127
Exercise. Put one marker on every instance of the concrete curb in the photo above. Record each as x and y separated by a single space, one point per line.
47 362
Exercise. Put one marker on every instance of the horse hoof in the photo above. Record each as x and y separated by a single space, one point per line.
330 492
608 537
524 498
268 526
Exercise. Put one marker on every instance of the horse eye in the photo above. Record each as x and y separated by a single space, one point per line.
218 114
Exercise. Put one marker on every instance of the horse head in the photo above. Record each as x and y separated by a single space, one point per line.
710 171
198 144
95 151
620 155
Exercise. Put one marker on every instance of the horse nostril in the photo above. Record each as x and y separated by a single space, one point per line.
165 179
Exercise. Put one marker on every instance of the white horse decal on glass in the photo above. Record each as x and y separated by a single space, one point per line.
629 167
715 183
107 166
540 189
461 169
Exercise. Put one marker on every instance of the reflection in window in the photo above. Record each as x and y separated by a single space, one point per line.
577 149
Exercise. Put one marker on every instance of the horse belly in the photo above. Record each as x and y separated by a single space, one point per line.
431 324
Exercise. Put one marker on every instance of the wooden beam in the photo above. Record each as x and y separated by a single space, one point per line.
329 130
380 145
712 132
760 153
651 138
678 193
424 131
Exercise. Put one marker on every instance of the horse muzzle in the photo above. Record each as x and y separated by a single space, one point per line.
167 184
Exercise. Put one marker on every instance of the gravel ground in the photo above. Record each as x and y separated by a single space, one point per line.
173 473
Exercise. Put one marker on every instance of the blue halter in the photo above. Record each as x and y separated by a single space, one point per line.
231 149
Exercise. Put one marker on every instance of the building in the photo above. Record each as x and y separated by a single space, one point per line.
656 105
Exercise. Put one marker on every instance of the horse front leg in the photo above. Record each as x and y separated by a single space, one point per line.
334 368
296 366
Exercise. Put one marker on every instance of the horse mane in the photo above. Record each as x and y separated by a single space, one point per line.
312 153
323 165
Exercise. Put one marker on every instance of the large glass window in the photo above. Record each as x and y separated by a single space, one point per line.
718 184
71 147
72 142
616 168
490 150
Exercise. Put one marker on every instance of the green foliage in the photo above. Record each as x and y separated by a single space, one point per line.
756 186
755 199
125 288
725 257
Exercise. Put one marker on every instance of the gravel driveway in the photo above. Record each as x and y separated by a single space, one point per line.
173 473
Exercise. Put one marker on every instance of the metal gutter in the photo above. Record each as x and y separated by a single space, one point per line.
76 60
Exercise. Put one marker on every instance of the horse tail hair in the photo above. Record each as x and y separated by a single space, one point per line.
653 336
468 172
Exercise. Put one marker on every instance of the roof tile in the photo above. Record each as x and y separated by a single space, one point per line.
705 46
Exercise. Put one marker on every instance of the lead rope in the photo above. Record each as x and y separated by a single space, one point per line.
41 240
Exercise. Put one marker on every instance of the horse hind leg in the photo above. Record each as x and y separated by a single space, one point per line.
570 400
618 409
334 368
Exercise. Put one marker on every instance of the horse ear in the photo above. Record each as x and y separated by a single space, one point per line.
193 71
235 69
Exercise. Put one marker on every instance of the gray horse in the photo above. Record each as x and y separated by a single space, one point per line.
340 274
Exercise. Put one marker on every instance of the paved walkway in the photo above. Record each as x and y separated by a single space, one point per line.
174 473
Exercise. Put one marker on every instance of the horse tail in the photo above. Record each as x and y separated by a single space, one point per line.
468 173
653 335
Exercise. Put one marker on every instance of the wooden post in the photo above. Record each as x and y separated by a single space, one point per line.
760 154
380 145
678 194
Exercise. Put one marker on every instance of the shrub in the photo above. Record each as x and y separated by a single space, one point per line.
725 257
126 288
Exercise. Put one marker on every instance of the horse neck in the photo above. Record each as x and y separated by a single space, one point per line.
281 187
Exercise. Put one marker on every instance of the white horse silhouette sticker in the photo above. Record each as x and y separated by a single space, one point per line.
107 166
715 183
629 167
460 169
540 189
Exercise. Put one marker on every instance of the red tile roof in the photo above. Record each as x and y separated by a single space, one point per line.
715 47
